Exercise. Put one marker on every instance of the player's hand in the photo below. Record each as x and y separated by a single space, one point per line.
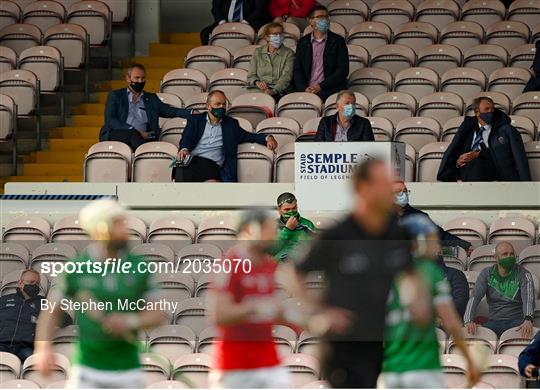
271 143
182 154
526 329
471 327
470 250
116 324
292 223
144 134
45 360
473 375
529 371
340 320
261 85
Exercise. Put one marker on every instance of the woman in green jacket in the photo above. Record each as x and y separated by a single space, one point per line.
271 66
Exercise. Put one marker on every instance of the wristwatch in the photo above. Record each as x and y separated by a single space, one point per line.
528 318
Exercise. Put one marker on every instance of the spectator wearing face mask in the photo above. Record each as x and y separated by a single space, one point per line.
18 315
486 147
293 228
271 67
345 125
321 65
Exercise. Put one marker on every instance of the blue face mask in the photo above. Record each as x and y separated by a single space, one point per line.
322 25
275 40
487 117
218 112
349 111
402 198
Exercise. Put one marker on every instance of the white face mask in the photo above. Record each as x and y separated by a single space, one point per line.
402 198
276 40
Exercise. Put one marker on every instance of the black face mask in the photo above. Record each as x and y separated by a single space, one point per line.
137 86
32 290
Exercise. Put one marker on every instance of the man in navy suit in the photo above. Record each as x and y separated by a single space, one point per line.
132 115
212 139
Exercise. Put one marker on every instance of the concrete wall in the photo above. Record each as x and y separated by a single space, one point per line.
185 15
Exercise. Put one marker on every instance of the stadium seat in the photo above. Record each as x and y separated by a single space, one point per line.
193 369
59 370
450 128
429 159
348 12
19 384
417 82
203 283
358 57
232 36
410 163
284 130
10 367
370 82
417 131
170 99
154 252
512 342
468 229
254 107
382 128
532 149
46 63
208 59
525 126
455 257
300 106
309 344
20 37
184 83
52 252
393 58
151 162
502 372
10 283
284 164
471 277
191 254
108 162
95 17
207 339
255 163
483 337
525 11
23 87
509 81
311 126
197 101
442 337
501 101
440 106
437 12
485 58
483 12
10 13
481 257
415 35
192 313
64 340
465 82
156 368
362 104
172 341
291 35
317 385
285 339
71 40
517 230
527 104
120 10
44 14
174 231
392 12
393 105
522 56
172 130
440 58
535 33
216 229
242 57
13 257
454 368
28 230
507 34
168 385
8 59
462 34
136 230
336 28
69 231
302 367
369 35
231 81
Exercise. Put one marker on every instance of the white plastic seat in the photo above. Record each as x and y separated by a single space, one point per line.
483 12
429 159
370 82
46 63
462 34
232 36
415 35
208 59
151 162
284 130
417 82
522 56
108 161
440 106
393 105
10 13
369 35
254 107
358 57
242 57
509 81
95 17
465 82
382 128
8 59
184 83
527 104
172 130
44 14
507 34
71 40
439 58
300 106
525 11
255 163
348 12
393 58
231 81
417 131
392 12
20 37
486 58
284 164
532 151
437 12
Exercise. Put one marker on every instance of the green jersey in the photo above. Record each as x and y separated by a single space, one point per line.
407 346
112 292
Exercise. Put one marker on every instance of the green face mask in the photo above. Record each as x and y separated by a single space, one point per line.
289 214
507 262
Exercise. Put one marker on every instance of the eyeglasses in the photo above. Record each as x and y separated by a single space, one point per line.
288 200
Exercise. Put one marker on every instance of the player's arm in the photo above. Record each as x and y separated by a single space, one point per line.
415 295
47 323
223 310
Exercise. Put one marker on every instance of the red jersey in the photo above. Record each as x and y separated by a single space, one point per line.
248 345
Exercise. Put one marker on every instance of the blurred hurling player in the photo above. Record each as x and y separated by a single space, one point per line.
411 354
107 353
243 306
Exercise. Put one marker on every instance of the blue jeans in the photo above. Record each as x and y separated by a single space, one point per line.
500 326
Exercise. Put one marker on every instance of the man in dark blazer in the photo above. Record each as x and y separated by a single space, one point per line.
344 125
534 82
212 141
321 65
132 115
486 147
252 12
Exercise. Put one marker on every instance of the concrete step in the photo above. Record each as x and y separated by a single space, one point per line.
57 157
192 38
71 144
58 169
169 49
156 62
38 178
85 121
76 133
89 109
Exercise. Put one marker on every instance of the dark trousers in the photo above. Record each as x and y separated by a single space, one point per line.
130 137
199 169
22 350
480 169
353 364
205 33
499 327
